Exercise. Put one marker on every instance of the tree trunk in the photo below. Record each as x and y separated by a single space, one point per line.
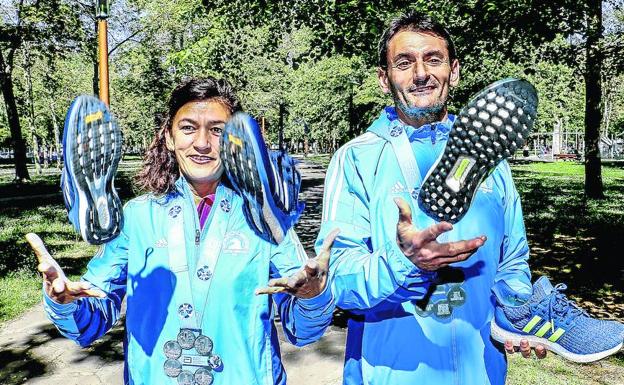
31 111
19 147
593 92
57 134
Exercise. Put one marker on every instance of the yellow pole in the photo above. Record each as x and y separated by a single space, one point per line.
103 59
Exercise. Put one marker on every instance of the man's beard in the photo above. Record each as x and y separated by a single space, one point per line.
427 114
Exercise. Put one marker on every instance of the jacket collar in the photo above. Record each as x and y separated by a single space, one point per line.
388 123
183 188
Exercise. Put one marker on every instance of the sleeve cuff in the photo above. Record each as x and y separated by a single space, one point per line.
58 308
321 301
402 266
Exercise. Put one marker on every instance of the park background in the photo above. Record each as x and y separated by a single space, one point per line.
307 71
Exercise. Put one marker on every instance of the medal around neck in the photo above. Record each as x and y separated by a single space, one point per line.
190 358
495 123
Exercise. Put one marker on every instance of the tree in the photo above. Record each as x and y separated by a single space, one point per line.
593 103
49 26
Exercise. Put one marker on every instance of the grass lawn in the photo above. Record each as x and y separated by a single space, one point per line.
553 370
20 286
38 207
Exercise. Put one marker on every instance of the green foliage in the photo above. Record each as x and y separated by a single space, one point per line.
321 97
560 91
316 58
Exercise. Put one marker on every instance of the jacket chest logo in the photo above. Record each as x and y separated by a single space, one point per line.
487 186
235 242
398 188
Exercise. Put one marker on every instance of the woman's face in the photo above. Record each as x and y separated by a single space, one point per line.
194 138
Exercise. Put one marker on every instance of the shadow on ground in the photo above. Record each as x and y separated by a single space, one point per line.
575 241
26 359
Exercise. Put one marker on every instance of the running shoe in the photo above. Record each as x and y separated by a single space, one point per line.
92 150
549 318
495 123
268 181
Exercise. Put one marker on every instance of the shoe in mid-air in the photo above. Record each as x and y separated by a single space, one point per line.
92 145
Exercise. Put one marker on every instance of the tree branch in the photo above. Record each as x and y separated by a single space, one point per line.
125 40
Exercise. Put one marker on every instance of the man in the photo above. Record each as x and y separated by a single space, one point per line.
418 320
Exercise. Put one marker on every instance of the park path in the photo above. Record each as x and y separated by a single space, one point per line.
33 352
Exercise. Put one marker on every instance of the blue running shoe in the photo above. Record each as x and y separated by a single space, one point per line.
92 150
268 182
549 318
490 128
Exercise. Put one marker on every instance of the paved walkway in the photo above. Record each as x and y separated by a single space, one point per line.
33 352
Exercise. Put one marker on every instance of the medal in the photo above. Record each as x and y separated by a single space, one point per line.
189 357
181 360
215 362
203 377
185 310
456 296
186 378
203 345
186 338
172 368
225 205
172 349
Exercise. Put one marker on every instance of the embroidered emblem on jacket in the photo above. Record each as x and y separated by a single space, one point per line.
235 242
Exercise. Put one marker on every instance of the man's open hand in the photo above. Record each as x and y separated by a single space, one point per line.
57 286
422 248
310 280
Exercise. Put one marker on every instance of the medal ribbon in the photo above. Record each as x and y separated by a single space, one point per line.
404 153
209 254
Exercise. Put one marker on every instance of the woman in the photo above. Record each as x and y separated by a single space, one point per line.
189 264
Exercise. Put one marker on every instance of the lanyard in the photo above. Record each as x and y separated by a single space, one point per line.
405 157
189 311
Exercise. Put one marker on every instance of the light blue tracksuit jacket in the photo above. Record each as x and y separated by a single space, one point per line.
413 327
136 265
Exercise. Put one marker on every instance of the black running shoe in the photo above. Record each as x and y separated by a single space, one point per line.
92 150
268 182
495 123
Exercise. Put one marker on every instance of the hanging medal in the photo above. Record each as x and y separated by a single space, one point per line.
190 358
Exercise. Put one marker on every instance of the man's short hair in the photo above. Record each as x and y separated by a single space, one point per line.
413 22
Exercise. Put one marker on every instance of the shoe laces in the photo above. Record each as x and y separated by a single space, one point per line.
559 304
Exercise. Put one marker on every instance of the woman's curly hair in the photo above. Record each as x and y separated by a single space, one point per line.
160 168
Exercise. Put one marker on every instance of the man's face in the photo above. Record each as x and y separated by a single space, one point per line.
419 76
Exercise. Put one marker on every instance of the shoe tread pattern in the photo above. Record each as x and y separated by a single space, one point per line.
240 164
96 152
495 123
